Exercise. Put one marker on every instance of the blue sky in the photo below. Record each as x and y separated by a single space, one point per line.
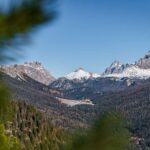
91 34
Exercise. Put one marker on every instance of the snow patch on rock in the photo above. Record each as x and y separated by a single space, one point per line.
72 103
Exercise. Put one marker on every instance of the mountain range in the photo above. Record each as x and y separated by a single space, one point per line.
139 70
75 100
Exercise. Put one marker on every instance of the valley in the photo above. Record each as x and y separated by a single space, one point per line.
76 100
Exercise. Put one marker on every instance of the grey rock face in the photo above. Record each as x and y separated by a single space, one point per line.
116 67
144 63
34 70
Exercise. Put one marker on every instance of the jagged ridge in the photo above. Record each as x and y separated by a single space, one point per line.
140 69
34 70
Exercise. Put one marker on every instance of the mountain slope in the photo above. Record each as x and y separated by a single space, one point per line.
46 100
34 70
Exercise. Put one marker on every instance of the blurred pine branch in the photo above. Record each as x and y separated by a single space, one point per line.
20 20
108 133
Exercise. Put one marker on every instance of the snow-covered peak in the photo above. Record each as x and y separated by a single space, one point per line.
140 69
132 71
81 74
79 69
78 74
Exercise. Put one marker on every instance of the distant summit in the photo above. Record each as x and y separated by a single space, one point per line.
115 67
140 69
80 73
34 70
79 69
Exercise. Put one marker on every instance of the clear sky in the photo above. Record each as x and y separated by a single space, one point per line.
91 34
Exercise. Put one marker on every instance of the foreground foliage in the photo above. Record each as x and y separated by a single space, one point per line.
108 133
7 142
19 20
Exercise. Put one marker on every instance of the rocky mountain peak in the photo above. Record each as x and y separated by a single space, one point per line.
116 63
140 69
34 64
115 67
34 70
144 62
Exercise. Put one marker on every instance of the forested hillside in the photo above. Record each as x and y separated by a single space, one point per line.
33 129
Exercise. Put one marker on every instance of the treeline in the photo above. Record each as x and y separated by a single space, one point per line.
33 129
